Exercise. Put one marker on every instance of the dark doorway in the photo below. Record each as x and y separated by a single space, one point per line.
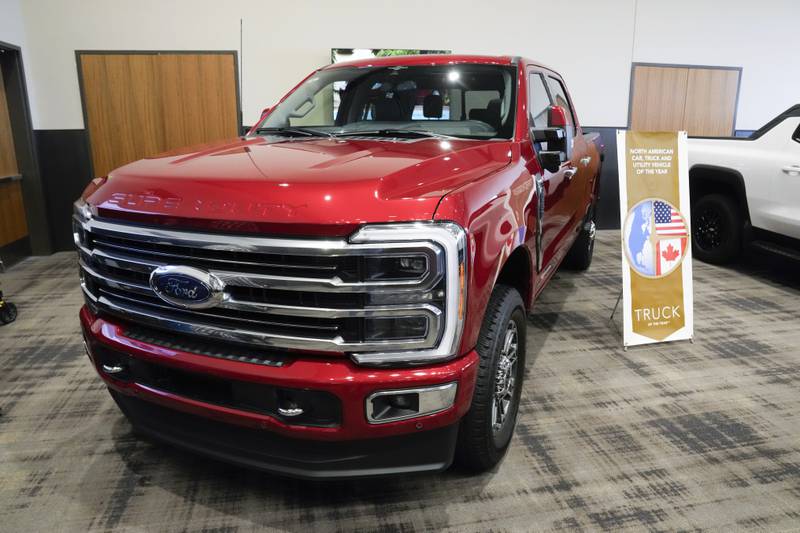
24 227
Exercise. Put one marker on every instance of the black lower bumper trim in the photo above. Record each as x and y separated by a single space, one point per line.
426 451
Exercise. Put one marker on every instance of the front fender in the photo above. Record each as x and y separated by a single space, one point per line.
499 215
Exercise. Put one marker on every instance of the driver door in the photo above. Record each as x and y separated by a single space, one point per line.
553 189
781 162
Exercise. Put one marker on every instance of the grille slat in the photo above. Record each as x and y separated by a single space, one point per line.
277 263
316 326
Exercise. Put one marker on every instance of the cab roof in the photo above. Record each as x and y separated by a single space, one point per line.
427 59
438 59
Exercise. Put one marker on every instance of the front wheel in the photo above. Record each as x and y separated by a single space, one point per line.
716 229
486 430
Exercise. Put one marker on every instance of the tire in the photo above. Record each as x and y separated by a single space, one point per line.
716 229
580 254
8 313
482 442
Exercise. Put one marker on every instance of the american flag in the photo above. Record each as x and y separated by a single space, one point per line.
671 230
669 222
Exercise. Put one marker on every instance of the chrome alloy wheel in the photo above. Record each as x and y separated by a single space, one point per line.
591 228
505 377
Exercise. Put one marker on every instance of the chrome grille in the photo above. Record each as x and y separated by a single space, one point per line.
296 294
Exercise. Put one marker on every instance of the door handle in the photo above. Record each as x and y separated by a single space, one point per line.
569 172
792 170
586 160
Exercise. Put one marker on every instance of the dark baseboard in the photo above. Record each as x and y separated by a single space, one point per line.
65 168
608 206
12 253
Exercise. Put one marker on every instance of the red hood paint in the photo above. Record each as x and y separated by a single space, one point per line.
316 186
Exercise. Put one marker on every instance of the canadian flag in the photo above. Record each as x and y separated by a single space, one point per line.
669 253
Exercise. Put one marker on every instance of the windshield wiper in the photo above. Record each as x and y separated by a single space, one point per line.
293 130
393 133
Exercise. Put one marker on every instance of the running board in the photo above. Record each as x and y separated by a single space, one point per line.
776 249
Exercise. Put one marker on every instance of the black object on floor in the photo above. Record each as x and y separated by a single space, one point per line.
8 311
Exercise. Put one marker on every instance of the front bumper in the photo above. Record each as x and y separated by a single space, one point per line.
423 451
349 447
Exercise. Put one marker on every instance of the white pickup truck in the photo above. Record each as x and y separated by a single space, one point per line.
746 191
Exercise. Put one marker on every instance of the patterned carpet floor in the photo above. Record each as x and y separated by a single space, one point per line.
669 437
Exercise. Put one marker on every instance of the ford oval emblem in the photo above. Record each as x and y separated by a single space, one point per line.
187 287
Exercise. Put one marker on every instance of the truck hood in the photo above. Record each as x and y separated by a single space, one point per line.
303 186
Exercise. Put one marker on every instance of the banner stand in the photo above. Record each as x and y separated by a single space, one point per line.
614 311
657 294
611 318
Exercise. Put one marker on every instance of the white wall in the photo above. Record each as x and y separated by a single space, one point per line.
760 36
590 42
12 31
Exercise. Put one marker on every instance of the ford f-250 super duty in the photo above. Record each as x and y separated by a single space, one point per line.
343 291
746 191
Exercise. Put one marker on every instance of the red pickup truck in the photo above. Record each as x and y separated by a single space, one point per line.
343 291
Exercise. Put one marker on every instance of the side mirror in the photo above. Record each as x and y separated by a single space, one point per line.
556 117
558 138
556 130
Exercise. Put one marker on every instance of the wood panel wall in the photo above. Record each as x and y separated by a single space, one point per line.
140 104
701 101
12 213
711 101
659 98
8 156
12 209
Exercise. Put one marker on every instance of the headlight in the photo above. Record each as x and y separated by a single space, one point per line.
81 209
81 212
427 266
403 267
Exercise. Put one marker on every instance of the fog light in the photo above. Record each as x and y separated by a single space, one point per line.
392 405
113 369
116 370
111 363
290 410
288 405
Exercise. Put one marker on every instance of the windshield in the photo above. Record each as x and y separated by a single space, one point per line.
471 101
